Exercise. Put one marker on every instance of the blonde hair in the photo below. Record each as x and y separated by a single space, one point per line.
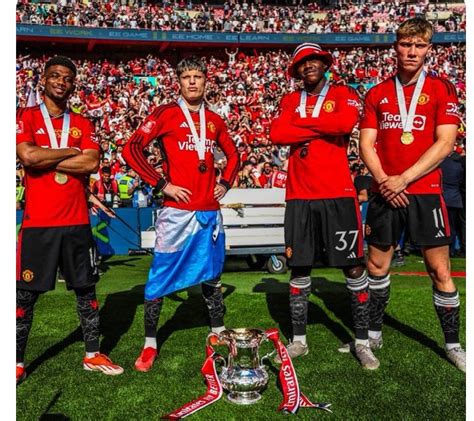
416 27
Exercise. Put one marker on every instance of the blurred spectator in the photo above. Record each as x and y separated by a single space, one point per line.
106 189
454 177
20 193
241 16
279 177
362 183
127 185
247 178
265 178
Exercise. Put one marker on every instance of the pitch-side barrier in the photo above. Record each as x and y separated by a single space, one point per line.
253 221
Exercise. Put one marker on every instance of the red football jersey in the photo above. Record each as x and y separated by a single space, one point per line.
279 179
437 105
324 172
49 204
168 124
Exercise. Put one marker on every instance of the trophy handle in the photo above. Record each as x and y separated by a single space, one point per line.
214 341
269 355
221 359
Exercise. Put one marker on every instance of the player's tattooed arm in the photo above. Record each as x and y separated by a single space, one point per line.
86 162
36 157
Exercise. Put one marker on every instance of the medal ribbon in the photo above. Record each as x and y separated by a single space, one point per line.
49 127
293 399
200 141
407 117
319 102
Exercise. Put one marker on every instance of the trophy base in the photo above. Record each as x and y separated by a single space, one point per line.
244 398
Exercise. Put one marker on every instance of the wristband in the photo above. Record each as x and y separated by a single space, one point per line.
225 184
162 183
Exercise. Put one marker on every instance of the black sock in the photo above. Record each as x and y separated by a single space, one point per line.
88 311
447 308
152 310
360 298
300 289
379 297
212 295
25 302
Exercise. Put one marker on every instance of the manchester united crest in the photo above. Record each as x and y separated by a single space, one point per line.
75 132
423 99
328 106
211 126
27 275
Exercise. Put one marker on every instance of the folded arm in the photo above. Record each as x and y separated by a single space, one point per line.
36 157
86 162
283 131
333 124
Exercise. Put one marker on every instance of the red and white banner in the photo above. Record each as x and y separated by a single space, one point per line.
214 389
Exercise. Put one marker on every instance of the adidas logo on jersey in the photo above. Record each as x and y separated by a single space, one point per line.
440 234
40 131
384 101
352 256
184 125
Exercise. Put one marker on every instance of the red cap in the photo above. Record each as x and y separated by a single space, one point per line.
305 50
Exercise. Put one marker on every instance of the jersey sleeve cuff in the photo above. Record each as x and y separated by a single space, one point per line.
161 184
225 184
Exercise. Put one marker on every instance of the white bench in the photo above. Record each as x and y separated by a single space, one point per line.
253 221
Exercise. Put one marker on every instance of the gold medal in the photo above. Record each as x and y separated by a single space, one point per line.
60 178
407 138
202 167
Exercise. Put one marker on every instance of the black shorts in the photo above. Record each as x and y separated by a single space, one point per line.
327 231
425 221
40 251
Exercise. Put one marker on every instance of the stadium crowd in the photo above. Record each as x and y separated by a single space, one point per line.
239 15
244 89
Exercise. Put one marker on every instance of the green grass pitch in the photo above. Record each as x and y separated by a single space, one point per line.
414 382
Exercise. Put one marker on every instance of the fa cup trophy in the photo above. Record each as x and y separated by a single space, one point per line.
243 374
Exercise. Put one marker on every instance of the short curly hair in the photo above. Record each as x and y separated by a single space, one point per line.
61 61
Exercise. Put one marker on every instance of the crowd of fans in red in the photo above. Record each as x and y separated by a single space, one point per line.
239 15
244 89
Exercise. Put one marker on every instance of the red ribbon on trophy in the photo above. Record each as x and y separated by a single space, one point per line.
214 389
293 399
